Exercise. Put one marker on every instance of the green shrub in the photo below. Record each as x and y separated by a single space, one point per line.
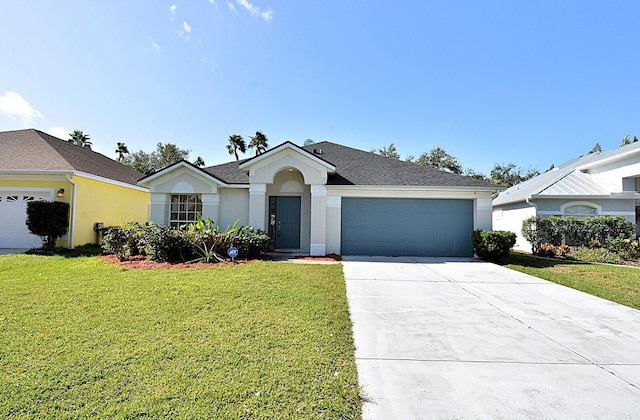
493 245
115 241
599 255
627 248
539 230
164 244
579 232
252 244
48 219
196 242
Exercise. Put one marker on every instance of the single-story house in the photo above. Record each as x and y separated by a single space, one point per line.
597 184
37 166
327 198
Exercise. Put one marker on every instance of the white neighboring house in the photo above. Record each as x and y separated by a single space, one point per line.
599 184
327 198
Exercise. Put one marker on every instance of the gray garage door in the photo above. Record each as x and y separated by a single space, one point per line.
413 227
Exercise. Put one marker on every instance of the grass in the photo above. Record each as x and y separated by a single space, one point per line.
81 338
615 283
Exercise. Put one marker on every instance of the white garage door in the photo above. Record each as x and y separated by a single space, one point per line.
14 233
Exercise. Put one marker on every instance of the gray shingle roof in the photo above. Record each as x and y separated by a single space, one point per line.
357 167
33 150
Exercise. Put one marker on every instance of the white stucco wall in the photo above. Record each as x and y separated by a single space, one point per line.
510 217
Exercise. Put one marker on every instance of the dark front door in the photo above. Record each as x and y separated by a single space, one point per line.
284 222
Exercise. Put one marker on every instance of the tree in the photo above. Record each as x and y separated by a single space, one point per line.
79 138
308 142
121 150
164 155
438 158
258 142
168 154
140 161
199 162
48 219
627 140
595 149
236 142
390 152
508 175
476 175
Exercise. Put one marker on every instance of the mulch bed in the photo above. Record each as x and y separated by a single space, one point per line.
142 262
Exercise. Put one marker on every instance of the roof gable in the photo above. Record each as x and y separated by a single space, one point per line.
33 150
168 170
581 176
282 147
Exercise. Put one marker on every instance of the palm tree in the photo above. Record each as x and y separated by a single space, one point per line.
199 162
236 142
121 151
79 138
258 142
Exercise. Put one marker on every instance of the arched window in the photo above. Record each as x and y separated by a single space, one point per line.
580 210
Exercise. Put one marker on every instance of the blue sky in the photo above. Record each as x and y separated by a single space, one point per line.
532 83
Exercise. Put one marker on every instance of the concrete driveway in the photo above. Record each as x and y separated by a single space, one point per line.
460 338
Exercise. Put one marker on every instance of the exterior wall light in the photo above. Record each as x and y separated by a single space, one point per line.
60 193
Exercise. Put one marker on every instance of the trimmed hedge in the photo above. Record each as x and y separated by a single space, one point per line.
585 232
493 244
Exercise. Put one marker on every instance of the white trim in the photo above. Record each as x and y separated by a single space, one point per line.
628 150
287 145
604 213
50 190
72 224
182 164
110 181
335 188
36 176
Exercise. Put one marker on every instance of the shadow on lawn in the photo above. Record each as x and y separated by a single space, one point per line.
525 260
89 250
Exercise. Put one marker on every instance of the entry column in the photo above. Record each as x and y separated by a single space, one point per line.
318 220
257 206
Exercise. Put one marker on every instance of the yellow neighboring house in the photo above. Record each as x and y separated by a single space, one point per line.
37 166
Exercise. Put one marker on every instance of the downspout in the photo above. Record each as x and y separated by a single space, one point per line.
73 212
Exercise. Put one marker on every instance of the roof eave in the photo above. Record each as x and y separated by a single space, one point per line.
147 179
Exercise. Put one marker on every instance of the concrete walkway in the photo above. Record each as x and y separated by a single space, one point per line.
464 339
7 251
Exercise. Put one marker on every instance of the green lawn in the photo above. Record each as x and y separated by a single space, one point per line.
82 338
616 283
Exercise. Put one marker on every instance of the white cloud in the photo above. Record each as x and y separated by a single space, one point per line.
59 132
15 106
186 27
154 45
232 7
173 8
254 10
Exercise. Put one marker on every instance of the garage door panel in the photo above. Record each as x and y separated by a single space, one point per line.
14 233
414 227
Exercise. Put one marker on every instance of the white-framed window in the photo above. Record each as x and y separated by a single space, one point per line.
184 209
580 209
